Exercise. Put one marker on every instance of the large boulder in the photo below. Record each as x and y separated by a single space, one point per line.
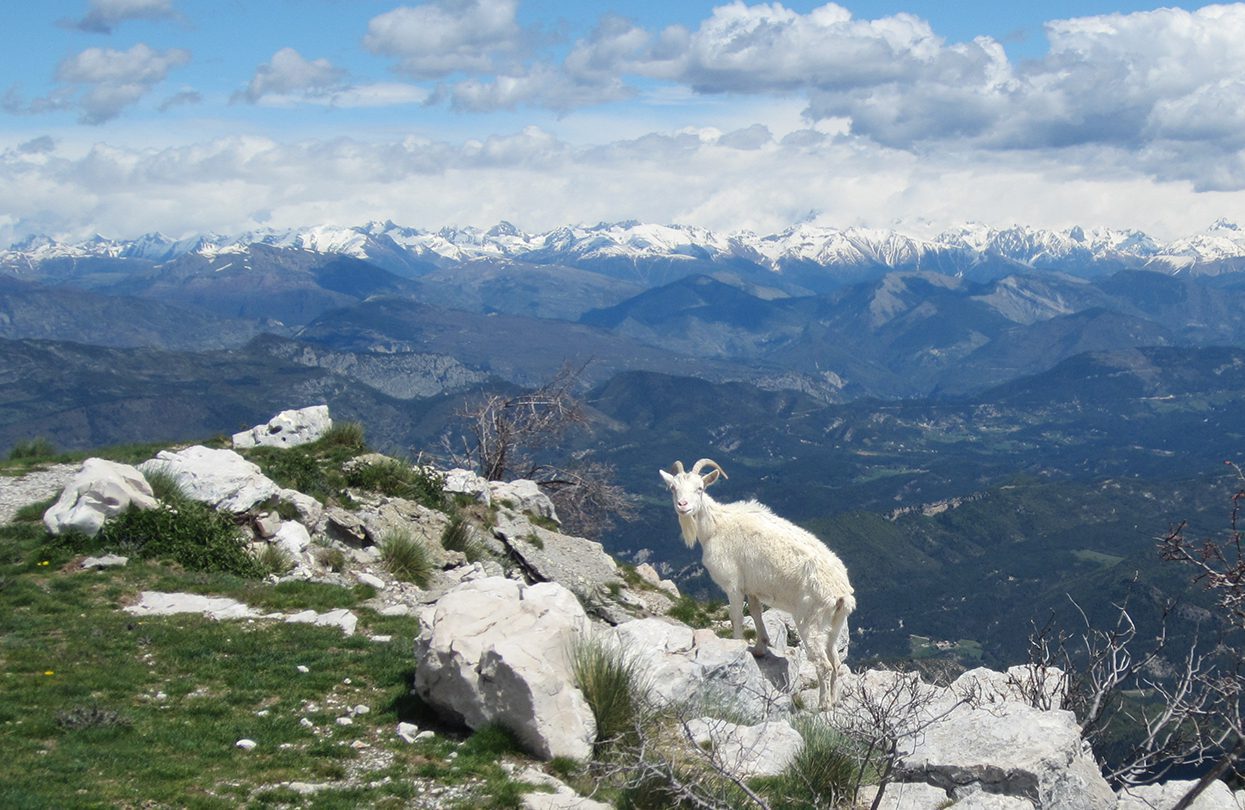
287 429
221 478
494 650
466 482
682 665
1010 749
100 490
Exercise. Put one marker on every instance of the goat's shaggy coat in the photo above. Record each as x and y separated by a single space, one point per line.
750 551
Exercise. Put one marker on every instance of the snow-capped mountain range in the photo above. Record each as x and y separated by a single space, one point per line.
1077 251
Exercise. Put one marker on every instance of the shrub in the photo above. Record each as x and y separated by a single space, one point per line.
615 686
406 558
459 536
31 449
192 534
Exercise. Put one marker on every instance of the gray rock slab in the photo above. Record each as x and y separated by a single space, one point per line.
105 561
905 796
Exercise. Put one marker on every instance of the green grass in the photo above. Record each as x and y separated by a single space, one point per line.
399 479
192 534
105 709
33 450
823 774
614 685
459 536
406 558
695 613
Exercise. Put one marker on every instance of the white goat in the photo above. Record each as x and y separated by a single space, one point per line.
749 551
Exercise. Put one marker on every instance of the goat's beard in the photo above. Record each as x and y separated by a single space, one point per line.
688 524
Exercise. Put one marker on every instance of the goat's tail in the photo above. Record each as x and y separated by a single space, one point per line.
843 606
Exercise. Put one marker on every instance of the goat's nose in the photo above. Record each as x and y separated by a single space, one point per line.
682 502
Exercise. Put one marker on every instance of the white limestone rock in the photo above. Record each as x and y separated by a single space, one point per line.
649 574
763 749
105 561
100 490
467 482
292 538
1009 749
159 603
685 665
1217 796
523 496
308 509
221 478
494 650
905 796
287 429
340 618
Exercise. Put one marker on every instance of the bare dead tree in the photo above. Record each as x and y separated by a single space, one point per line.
501 432
505 436
1186 703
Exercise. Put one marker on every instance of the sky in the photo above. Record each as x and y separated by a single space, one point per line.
124 117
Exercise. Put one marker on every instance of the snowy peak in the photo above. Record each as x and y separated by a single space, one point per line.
1075 251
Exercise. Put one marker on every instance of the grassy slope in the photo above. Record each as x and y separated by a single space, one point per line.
83 723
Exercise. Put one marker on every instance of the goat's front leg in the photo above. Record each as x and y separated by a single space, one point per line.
755 607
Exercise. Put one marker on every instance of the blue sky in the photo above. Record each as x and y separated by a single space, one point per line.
184 116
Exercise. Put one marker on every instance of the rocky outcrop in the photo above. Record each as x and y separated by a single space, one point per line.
495 650
221 478
686 666
523 496
1165 796
100 490
287 429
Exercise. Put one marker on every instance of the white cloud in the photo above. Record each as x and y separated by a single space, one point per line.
446 36
101 82
103 15
742 179
288 73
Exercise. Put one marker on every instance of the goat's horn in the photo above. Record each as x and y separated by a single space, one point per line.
678 467
702 463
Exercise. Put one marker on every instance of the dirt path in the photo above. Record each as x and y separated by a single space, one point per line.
32 487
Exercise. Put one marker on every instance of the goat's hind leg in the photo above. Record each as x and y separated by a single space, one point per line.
755 607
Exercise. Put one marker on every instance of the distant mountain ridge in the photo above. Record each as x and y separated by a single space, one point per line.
969 250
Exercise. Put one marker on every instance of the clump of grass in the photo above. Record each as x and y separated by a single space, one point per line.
297 468
406 558
544 522
33 512
165 486
459 535
191 534
824 773
534 539
615 685
80 717
332 558
34 449
401 480
344 436
274 560
694 613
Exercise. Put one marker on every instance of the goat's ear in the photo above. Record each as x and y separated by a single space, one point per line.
710 477
667 477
